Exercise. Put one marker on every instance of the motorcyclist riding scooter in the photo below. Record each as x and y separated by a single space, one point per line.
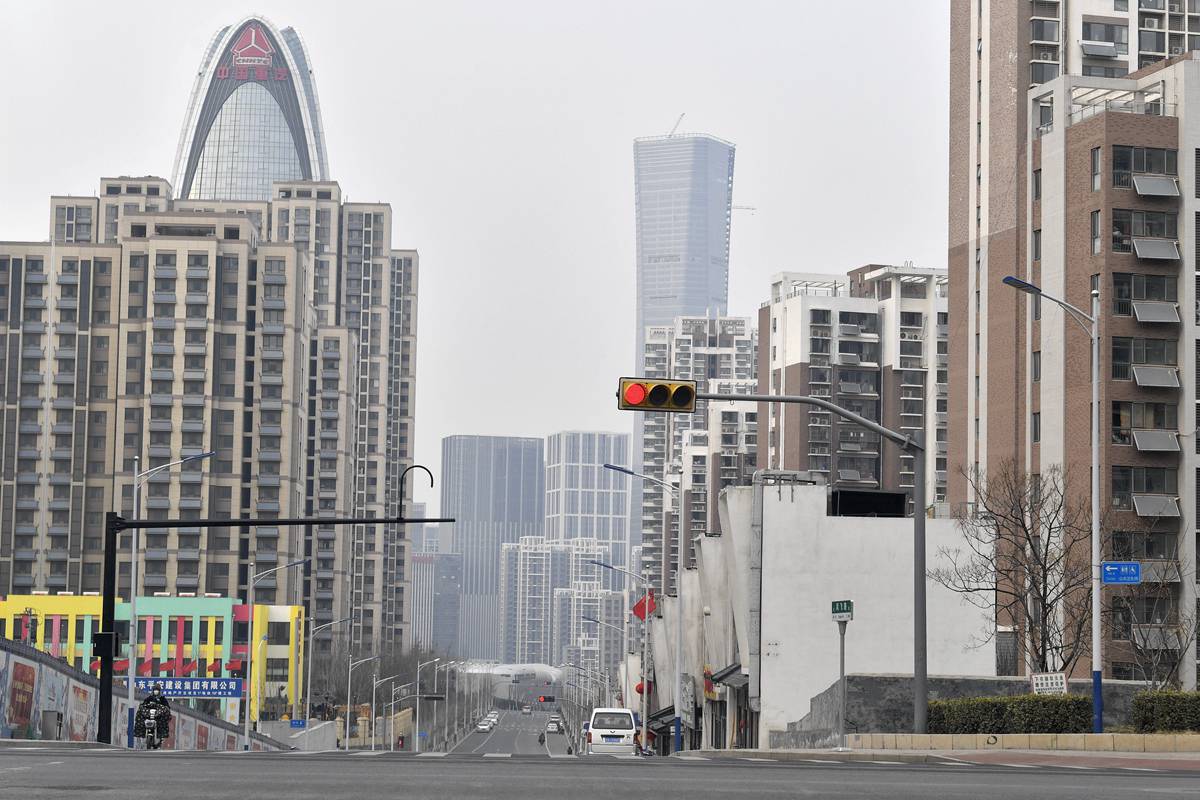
153 719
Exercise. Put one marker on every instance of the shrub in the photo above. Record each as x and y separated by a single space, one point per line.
1166 711
1019 714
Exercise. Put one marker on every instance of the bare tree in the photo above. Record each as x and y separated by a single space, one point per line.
1147 623
1025 556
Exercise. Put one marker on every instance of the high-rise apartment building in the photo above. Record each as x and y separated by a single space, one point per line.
189 326
494 488
719 353
874 342
585 500
1076 176
253 117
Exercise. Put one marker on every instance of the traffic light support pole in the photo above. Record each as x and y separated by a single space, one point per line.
915 446
105 641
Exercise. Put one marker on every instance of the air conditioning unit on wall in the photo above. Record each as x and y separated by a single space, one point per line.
1046 56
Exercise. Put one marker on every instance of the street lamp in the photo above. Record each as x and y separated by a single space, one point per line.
138 479
645 640
350 665
308 688
374 685
250 648
679 560
1091 326
417 741
436 670
392 714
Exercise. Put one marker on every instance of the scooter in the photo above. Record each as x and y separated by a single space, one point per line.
153 737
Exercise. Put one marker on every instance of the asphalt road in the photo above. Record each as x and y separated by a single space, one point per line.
514 734
50 772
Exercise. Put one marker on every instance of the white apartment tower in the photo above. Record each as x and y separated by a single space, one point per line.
875 343
719 353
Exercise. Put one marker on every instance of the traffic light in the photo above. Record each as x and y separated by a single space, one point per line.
648 394
546 698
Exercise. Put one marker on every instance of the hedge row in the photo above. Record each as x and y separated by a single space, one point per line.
1166 711
1019 714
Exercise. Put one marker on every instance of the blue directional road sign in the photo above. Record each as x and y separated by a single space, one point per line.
1121 572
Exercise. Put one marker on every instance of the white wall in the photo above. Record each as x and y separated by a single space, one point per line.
810 560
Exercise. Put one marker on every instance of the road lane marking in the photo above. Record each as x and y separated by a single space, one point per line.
369 753
431 755
876 761
691 758
821 761
772 760
1139 769
1022 766
497 755
1069 766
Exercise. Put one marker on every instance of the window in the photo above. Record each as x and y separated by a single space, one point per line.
1128 161
1037 184
1129 287
1095 166
1037 306
1043 30
1128 417
1128 224
1148 545
1037 245
1035 365
1116 34
1096 233
1126 352
1120 5
1035 427
1128 481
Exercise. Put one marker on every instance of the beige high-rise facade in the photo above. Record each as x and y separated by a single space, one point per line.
278 334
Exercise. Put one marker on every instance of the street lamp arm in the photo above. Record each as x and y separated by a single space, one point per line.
605 624
636 577
267 572
322 627
141 476
651 478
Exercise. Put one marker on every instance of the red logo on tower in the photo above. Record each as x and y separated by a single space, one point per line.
252 48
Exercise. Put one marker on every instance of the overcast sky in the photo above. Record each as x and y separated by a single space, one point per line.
501 134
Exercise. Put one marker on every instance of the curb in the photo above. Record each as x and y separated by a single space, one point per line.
28 744
823 755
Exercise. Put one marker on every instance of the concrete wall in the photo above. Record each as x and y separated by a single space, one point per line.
810 560
35 687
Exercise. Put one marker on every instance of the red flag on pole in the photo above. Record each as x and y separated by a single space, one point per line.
645 607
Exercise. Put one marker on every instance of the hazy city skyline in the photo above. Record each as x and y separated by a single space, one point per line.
510 144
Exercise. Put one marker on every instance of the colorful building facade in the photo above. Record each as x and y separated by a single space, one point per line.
177 637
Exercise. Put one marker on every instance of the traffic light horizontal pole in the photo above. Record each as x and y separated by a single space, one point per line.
122 524
905 441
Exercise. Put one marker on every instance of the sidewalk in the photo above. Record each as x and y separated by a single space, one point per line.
1070 759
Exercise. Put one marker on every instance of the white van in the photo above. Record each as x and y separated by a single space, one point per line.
610 732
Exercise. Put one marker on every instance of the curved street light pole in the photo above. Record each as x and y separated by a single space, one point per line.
645 699
1091 326
309 660
250 650
680 559
138 479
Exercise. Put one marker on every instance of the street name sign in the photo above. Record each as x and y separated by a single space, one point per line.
843 610
1121 572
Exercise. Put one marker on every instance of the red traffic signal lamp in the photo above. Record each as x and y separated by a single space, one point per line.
649 394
